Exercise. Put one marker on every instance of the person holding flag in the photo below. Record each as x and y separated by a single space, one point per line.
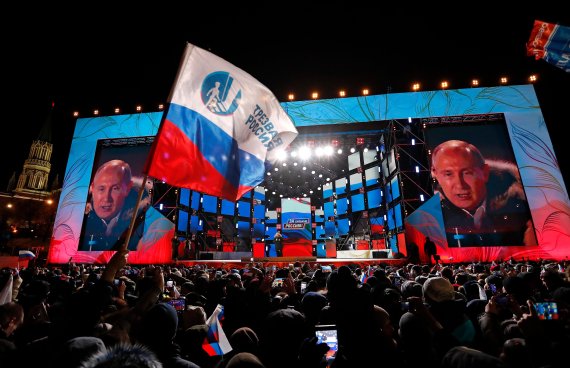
216 341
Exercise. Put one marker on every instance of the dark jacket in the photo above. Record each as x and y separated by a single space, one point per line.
94 236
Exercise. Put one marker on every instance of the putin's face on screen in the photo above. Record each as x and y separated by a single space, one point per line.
461 174
109 189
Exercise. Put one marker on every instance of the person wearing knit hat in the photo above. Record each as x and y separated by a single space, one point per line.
411 288
438 289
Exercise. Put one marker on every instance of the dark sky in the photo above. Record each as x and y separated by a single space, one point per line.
102 57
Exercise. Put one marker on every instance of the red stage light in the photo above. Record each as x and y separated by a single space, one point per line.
359 140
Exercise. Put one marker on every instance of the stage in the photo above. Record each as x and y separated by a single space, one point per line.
225 259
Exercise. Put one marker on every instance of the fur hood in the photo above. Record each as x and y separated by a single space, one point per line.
504 184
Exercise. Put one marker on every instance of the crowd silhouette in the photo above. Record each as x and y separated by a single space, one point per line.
446 315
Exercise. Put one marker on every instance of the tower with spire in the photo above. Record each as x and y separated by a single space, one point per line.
33 181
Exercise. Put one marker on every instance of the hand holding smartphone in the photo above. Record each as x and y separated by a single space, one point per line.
327 334
546 310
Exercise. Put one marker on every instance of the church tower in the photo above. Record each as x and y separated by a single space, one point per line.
33 181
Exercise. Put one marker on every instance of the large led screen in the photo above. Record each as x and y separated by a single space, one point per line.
327 190
209 203
184 197
113 192
155 244
372 175
354 161
369 156
340 186
483 201
297 226
357 202
228 208
341 206
355 181
374 198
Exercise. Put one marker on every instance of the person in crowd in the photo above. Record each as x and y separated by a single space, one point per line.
369 319
435 324
111 207
278 239
430 250
483 201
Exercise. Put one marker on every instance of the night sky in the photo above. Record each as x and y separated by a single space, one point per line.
101 57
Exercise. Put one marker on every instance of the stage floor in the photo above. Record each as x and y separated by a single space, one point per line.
285 261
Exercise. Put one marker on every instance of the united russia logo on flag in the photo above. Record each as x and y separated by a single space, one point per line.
221 129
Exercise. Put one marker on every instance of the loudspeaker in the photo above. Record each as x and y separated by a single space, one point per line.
206 256
379 254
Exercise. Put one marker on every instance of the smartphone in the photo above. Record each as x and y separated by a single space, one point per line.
326 269
178 304
303 287
170 284
327 334
493 288
546 310
278 282
116 282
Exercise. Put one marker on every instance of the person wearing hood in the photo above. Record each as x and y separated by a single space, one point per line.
482 201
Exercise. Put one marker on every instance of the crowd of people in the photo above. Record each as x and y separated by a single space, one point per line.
505 314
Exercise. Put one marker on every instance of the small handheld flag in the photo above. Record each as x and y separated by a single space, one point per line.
221 128
550 42
26 254
216 342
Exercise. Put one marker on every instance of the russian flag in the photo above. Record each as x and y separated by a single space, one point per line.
26 254
550 42
216 342
221 129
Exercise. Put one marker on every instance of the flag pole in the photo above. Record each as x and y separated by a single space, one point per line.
135 214
152 152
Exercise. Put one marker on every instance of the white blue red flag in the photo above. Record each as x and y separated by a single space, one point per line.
550 42
216 342
221 128
26 254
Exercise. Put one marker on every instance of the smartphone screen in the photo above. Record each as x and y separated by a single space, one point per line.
178 304
327 334
169 284
493 288
278 282
303 287
546 310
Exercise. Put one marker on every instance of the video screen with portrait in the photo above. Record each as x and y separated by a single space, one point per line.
115 182
475 173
